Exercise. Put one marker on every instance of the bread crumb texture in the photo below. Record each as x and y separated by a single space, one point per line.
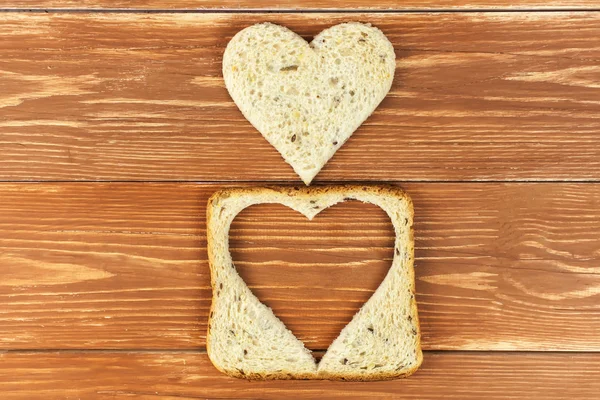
245 339
308 99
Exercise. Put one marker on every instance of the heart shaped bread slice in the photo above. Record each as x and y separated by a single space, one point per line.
307 100
245 339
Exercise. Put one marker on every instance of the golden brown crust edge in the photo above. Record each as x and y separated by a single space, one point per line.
308 191
209 240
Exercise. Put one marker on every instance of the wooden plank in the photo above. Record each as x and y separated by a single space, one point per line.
300 5
477 96
123 265
188 375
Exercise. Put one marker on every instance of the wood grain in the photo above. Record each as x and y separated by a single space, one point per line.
123 265
286 259
189 375
302 5
477 96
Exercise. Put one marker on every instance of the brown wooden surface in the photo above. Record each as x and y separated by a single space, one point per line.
122 265
302 4
104 286
477 96
189 375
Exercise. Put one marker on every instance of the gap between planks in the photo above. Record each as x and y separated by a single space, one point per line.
299 183
298 11
482 353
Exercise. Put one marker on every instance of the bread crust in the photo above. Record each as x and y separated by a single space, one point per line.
311 193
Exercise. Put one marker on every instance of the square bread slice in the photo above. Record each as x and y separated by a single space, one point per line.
246 340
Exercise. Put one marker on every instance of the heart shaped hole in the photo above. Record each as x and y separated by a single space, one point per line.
315 275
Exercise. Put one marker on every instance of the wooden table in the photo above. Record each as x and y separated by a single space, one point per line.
115 128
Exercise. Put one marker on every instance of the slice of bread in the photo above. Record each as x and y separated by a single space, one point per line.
245 339
307 100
